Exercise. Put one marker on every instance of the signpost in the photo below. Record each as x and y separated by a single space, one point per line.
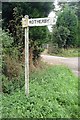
26 23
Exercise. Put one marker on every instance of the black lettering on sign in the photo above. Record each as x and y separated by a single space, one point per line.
34 21
38 21
30 21
44 21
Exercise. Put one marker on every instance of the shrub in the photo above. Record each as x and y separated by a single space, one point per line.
10 86
53 48
12 69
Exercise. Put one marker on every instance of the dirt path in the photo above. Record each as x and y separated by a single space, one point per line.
73 63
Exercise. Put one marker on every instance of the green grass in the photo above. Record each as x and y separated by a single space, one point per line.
53 93
71 52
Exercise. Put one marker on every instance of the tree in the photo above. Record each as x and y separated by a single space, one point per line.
61 34
78 14
67 24
37 34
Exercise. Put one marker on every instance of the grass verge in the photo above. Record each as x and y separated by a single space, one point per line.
53 94
71 52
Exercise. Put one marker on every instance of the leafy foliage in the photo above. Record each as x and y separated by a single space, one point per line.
37 35
70 52
47 99
66 31
9 86
61 35
6 41
11 65
16 28
53 93
78 14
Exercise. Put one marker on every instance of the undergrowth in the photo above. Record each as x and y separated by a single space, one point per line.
71 52
53 94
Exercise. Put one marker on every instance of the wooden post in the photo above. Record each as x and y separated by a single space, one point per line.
26 59
26 23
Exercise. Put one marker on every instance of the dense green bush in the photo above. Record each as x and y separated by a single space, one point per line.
65 32
10 86
12 68
54 49
12 16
